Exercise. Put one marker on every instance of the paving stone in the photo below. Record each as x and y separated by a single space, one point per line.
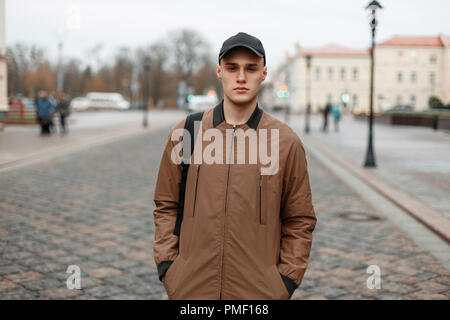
125 264
44 284
101 273
6 285
19 293
60 293
433 286
104 292
11 269
25 276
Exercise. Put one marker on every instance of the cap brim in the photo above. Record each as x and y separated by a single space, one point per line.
259 54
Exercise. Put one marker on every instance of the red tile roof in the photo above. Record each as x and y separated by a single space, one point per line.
413 41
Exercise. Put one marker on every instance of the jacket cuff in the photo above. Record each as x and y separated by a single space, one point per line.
162 268
289 283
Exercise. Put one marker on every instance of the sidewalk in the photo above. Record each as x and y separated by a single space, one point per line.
20 143
412 164
414 160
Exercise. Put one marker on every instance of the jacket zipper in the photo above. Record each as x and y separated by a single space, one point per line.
260 199
196 185
224 218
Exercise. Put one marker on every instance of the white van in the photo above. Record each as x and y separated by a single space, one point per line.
107 100
202 103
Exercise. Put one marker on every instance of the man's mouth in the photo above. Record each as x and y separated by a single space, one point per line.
241 89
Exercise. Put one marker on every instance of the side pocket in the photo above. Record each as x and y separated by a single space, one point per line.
170 279
195 192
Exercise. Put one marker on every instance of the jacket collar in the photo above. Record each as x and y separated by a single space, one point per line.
252 122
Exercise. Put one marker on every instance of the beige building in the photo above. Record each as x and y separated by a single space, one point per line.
408 70
3 64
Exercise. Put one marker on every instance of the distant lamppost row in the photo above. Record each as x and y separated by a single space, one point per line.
372 7
308 92
146 81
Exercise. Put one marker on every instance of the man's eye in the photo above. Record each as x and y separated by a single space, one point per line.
232 68
251 69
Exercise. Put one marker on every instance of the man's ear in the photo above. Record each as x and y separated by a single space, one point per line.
264 73
219 71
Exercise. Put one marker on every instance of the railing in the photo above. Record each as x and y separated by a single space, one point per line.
20 114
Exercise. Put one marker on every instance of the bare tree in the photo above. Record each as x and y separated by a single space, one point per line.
122 72
26 64
205 77
187 47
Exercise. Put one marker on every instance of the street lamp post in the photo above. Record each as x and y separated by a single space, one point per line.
145 91
372 7
308 92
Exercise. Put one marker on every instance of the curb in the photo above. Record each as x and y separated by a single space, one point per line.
431 218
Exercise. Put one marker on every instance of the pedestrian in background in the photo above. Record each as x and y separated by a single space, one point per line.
45 109
63 109
336 111
326 111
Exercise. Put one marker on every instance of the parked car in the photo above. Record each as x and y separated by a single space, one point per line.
400 108
137 105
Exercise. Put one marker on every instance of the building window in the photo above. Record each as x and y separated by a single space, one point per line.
414 56
355 74
330 74
342 74
400 53
355 101
413 77
432 78
399 77
317 74
413 100
433 59
329 98
399 99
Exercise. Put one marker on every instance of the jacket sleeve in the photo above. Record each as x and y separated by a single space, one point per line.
165 246
298 218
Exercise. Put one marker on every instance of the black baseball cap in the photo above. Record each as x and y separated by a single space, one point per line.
243 39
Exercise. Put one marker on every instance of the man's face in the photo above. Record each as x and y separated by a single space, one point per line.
242 73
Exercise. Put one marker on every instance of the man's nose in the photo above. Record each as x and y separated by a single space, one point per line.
241 76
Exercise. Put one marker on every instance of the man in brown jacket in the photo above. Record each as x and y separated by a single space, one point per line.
247 224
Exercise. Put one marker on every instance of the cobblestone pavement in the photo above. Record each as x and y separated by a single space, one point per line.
94 209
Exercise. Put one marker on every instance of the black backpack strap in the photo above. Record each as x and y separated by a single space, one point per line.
189 126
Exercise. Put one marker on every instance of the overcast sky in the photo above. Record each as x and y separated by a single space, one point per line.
278 24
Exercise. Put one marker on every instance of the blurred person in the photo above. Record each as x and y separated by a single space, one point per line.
63 109
230 231
336 111
326 112
52 120
45 109
36 100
